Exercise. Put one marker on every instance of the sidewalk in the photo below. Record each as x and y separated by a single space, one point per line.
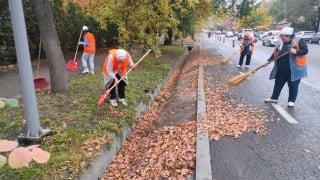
10 80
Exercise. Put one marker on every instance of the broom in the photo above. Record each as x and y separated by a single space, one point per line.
229 58
236 80
107 92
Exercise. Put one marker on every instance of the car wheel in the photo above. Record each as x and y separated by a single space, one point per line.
270 44
263 44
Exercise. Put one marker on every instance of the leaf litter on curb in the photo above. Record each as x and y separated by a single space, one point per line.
148 152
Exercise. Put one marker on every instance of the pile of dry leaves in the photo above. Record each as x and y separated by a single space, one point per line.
228 116
149 153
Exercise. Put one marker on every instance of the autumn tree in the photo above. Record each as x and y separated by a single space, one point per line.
51 45
257 19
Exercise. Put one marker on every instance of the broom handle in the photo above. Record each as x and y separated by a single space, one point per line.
39 55
274 59
75 55
130 69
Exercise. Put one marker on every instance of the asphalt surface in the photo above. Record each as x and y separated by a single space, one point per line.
288 151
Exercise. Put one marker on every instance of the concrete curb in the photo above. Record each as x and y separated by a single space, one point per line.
203 159
102 162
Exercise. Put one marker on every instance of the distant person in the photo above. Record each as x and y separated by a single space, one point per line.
247 49
114 68
209 34
290 68
89 45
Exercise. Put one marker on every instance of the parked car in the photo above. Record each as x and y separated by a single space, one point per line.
235 33
271 39
229 34
262 35
315 39
306 35
243 31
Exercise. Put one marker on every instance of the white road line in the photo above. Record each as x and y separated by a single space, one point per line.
309 84
284 114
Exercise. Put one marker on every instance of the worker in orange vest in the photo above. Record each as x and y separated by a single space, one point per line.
247 49
290 68
89 45
115 66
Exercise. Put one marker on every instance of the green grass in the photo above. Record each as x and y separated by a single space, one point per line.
81 126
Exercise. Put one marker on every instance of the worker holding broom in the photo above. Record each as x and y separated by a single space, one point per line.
290 68
89 45
115 66
247 49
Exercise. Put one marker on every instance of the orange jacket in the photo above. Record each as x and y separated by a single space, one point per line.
251 45
91 47
124 66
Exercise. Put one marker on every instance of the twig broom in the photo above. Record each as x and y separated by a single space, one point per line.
229 58
237 80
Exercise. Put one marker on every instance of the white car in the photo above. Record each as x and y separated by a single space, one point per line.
229 34
271 39
262 35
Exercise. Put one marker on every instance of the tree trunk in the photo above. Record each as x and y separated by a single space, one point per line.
168 40
51 45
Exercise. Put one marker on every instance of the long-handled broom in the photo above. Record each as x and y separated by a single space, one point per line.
107 92
236 80
229 58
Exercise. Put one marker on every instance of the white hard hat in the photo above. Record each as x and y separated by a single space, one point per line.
85 28
287 31
121 54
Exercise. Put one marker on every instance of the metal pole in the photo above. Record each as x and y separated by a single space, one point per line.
25 68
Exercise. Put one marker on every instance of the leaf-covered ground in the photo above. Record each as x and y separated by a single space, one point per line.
82 128
162 145
228 116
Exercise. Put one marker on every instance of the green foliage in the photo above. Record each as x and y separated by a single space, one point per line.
81 126
292 11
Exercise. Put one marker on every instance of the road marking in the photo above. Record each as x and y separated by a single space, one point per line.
284 114
309 84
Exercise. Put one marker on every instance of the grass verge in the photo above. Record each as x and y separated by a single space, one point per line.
81 127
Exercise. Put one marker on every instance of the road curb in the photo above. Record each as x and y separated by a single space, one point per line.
203 159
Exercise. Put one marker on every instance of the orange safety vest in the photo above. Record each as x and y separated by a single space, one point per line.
252 44
91 47
125 64
301 60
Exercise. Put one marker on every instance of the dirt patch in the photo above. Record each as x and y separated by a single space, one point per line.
162 144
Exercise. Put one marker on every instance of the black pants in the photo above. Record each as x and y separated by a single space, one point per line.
248 60
121 89
280 81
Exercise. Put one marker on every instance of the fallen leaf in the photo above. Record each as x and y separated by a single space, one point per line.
307 150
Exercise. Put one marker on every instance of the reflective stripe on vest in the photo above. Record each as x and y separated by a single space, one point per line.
91 47
301 60
125 64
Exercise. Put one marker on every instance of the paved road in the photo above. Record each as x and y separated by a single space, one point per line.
284 153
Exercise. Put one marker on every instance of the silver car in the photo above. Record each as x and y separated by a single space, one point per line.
306 35
271 39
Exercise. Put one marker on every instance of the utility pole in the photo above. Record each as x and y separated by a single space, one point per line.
33 131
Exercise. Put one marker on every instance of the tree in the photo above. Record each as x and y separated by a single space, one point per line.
51 45
257 19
